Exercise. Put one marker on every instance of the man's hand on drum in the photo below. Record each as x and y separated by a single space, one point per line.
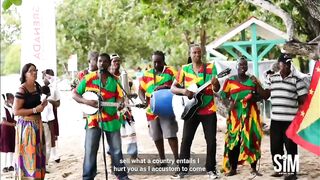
145 105
232 104
120 106
162 87
214 81
188 93
93 103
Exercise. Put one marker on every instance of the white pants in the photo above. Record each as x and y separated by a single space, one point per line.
8 159
47 135
54 153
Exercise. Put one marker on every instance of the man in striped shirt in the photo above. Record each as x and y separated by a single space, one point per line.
287 93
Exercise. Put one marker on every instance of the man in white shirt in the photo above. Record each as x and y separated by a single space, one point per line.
50 80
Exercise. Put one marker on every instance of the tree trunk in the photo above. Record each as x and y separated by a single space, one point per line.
286 17
314 8
304 65
311 12
203 40
187 37
314 27
310 26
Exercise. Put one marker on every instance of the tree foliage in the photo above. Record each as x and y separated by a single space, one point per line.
198 21
10 33
6 4
135 28
12 63
102 26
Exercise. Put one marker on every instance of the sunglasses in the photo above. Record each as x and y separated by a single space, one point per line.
32 70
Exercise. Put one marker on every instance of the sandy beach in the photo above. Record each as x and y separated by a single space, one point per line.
71 150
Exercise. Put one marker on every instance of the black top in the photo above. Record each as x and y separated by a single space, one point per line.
31 99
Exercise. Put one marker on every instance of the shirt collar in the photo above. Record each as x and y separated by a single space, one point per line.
290 75
164 68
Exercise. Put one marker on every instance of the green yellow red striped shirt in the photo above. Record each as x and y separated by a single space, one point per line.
148 84
110 93
186 77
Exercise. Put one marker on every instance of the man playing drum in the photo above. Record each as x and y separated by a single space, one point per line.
154 79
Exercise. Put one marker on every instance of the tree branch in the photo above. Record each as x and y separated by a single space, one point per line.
303 49
286 17
314 8
186 34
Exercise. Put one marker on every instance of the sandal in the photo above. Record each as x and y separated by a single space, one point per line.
255 173
11 168
5 169
276 174
161 165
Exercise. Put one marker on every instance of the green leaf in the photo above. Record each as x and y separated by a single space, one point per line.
16 2
6 4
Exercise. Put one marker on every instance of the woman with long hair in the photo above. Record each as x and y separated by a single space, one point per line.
30 143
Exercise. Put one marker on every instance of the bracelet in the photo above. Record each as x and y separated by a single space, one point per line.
34 110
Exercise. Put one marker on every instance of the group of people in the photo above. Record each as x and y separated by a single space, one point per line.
240 93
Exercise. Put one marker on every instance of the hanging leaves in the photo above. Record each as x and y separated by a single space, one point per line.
6 4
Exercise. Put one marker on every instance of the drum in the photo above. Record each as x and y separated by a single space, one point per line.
178 105
161 103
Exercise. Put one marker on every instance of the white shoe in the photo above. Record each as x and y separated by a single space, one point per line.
213 174
178 175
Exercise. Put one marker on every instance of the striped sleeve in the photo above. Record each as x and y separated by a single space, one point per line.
142 84
180 76
82 86
174 73
119 92
301 88
267 84
19 95
225 90
214 71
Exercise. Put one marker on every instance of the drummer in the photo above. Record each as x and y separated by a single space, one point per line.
154 79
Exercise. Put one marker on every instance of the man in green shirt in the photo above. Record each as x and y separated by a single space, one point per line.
102 82
198 73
